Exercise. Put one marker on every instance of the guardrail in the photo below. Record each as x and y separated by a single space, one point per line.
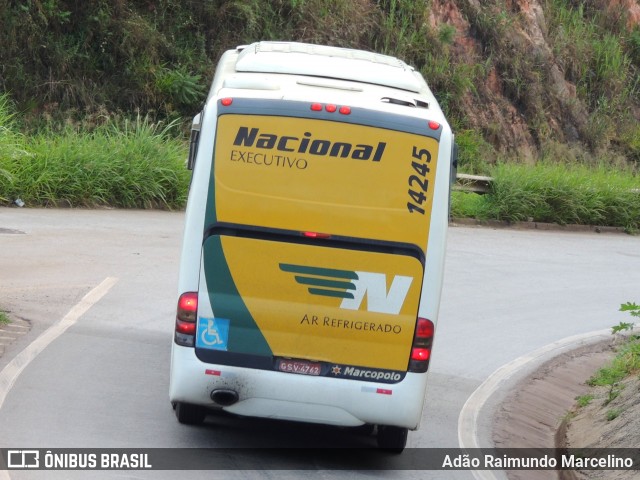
473 183
481 184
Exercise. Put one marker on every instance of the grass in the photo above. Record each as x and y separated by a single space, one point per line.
597 51
557 193
584 400
614 392
10 143
4 318
134 164
580 34
613 414
626 362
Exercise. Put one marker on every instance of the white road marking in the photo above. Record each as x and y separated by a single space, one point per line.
468 419
14 368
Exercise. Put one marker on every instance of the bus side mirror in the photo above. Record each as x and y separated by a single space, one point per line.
454 163
193 141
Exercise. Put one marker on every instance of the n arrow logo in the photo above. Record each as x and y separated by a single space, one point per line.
374 286
352 287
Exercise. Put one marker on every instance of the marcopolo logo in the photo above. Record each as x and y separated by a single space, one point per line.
352 287
367 374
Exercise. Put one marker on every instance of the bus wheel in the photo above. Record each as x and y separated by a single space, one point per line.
190 414
393 439
367 429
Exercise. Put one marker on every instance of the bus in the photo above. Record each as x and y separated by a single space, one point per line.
313 251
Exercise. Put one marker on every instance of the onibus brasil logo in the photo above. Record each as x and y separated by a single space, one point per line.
353 286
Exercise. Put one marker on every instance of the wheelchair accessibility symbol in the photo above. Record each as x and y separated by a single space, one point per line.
213 333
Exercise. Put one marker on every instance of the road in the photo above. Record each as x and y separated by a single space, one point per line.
100 380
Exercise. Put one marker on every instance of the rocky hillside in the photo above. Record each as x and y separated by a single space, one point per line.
554 72
519 78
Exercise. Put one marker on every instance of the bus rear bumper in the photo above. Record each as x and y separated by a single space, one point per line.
288 396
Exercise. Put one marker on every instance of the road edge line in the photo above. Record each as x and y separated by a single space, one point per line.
14 368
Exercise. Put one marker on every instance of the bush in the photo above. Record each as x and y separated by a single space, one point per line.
134 165
565 194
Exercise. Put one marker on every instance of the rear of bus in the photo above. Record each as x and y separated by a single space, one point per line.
312 263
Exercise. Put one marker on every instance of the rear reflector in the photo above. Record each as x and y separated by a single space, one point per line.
379 391
187 328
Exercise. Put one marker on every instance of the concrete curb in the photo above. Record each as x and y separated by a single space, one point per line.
472 222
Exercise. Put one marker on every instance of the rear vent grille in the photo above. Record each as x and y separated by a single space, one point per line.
405 102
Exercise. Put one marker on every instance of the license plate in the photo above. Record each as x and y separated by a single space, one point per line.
299 366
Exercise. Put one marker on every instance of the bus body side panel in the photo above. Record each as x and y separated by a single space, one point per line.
195 212
439 222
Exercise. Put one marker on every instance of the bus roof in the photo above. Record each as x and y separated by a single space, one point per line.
333 62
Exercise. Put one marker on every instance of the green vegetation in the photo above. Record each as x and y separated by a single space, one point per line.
556 193
613 377
4 318
104 89
584 400
599 54
621 327
473 151
613 414
66 60
63 59
131 164
632 308
625 363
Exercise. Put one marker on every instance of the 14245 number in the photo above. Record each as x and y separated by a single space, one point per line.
419 184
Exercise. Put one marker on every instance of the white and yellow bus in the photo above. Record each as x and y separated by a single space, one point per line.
314 241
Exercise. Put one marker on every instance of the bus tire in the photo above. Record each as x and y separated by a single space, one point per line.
189 414
392 439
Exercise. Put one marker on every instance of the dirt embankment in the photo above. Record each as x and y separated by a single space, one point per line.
605 422
542 412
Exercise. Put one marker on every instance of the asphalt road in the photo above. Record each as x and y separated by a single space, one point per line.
98 377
